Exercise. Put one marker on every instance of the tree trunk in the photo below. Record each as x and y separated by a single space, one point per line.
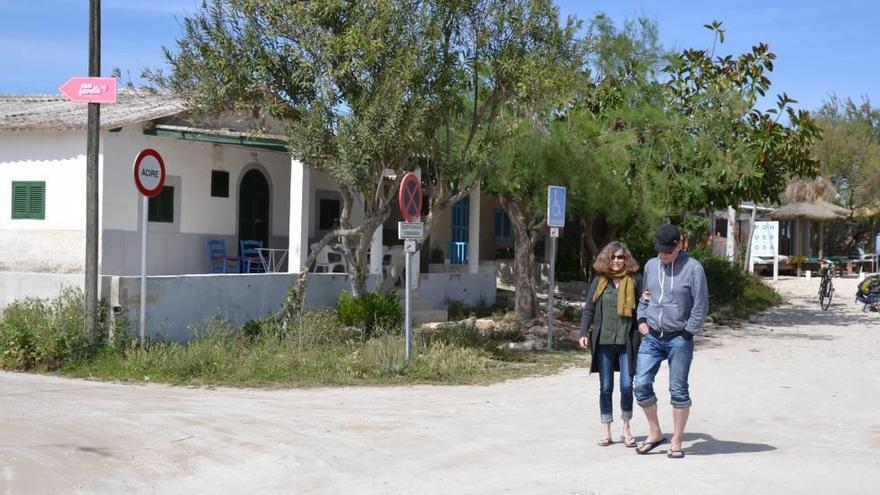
525 300
589 250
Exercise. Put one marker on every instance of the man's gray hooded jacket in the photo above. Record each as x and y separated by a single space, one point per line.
679 297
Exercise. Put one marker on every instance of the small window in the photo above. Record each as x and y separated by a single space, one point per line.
161 207
29 200
328 213
219 184
502 225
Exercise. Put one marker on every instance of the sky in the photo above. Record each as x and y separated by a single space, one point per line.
822 47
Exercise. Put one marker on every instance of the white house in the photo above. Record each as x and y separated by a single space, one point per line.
224 183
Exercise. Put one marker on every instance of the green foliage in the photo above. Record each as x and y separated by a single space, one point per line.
725 280
36 334
731 289
365 87
384 355
315 351
850 150
696 227
717 147
374 311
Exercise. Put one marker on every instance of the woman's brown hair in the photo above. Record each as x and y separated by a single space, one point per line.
603 261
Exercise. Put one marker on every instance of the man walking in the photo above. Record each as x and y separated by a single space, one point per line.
671 311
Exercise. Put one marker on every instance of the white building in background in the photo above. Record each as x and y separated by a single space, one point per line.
223 183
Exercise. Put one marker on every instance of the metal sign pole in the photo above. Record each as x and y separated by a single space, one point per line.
143 315
408 256
550 291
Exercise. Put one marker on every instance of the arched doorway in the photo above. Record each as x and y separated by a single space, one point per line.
253 207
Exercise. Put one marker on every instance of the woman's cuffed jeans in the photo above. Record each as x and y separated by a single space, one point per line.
608 356
678 349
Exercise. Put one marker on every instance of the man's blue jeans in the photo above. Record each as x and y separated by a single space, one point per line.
678 349
608 356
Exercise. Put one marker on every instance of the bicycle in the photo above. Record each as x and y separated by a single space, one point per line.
826 286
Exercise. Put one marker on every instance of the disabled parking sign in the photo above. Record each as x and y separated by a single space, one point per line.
556 206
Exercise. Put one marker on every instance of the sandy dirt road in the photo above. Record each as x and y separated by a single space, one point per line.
786 403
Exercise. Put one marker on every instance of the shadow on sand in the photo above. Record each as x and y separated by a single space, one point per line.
704 444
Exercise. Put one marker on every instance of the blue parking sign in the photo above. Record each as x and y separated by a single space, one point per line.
556 206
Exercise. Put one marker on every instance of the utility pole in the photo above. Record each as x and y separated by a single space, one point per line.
92 149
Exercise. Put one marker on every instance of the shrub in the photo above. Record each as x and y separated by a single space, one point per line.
384 355
447 362
40 334
724 279
731 287
459 334
371 312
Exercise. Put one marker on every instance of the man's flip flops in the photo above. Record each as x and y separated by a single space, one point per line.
647 447
675 454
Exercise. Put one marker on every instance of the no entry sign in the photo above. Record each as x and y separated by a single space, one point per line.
410 197
149 173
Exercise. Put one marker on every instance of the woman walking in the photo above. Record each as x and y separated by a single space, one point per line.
609 328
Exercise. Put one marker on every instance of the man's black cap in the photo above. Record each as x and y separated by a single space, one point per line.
668 236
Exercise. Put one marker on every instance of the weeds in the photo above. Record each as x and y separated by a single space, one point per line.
36 334
311 349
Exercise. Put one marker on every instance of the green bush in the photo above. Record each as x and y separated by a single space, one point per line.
385 356
725 280
372 312
730 287
39 334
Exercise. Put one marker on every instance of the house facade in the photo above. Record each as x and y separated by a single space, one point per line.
223 183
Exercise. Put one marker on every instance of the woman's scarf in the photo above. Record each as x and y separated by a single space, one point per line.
626 291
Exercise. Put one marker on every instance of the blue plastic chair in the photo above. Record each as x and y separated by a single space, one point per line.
250 257
220 263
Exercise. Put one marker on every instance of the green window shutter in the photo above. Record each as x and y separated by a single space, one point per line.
19 200
29 200
161 207
37 201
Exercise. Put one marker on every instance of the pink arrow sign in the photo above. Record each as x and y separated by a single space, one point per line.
90 89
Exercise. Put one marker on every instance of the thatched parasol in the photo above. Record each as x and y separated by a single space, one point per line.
818 211
807 201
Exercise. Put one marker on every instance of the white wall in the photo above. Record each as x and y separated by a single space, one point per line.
20 285
56 244
470 288
176 303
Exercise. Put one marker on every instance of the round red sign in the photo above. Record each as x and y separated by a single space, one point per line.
149 173
410 197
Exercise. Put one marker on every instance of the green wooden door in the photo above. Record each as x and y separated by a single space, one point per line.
253 208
